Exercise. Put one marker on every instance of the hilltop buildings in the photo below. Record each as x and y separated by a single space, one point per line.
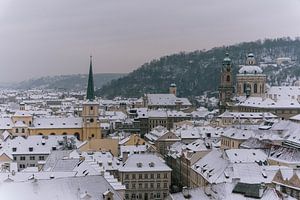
252 93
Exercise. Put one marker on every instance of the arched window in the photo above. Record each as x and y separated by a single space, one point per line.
245 87
23 130
255 88
93 135
52 133
64 133
77 135
17 130
91 120
228 78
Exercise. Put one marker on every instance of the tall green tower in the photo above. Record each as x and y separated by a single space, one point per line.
90 94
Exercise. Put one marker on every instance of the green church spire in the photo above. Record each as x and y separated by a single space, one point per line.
90 88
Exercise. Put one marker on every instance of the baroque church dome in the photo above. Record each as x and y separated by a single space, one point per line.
250 69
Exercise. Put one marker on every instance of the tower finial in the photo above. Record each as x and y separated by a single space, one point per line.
90 89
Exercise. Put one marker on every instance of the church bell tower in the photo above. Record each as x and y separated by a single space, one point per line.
226 84
90 112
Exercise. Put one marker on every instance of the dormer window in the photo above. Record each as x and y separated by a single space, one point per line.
30 149
151 164
14 149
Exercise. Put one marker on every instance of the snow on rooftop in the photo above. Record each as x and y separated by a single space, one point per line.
250 69
58 122
144 162
65 189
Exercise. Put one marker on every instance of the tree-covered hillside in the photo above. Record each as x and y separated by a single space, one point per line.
66 82
199 71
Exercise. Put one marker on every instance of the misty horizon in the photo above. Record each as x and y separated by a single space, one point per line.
50 38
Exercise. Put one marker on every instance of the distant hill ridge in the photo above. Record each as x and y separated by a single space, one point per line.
197 72
75 82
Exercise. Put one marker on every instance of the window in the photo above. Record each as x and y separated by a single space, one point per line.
165 175
15 158
22 166
158 176
228 78
152 176
140 176
41 157
23 130
133 185
126 176
14 149
146 176
91 120
22 158
140 185
158 195
32 158
133 176
255 88
126 196
17 130
77 135
158 185
146 185
245 87
165 185
92 108
151 185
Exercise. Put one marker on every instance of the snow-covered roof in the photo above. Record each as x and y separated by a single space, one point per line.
57 122
260 102
285 154
166 99
247 115
35 144
250 69
69 188
133 149
144 162
5 123
211 166
246 155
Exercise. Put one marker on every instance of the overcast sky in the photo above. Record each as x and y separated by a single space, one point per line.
52 37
